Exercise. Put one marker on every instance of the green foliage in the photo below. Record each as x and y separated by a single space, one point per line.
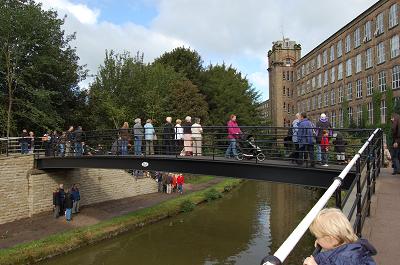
39 69
364 118
198 179
212 195
228 92
187 206
376 102
345 108
389 104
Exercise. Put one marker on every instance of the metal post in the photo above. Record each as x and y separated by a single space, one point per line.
369 180
358 198
338 198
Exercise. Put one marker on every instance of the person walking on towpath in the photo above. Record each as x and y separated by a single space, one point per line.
396 142
69 203
76 196
233 134
56 203
180 181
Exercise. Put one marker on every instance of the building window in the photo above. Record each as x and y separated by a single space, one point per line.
333 119
393 16
348 67
396 77
325 78
383 111
340 71
382 81
359 115
370 85
340 94
379 24
284 106
368 58
350 109
394 46
359 88
357 40
326 99
349 91
319 80
339 49
347 45
319 101
284 90
307 68
308 86
303 70
314 103
319 61
358 63
309 104
284 75
332 54
324 57
341 118
313 83
333 97
380 53
333 75
367 31
370 108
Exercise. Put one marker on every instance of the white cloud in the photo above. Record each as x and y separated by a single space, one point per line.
259 79
82 12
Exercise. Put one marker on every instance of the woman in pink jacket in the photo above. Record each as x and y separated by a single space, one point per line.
233 134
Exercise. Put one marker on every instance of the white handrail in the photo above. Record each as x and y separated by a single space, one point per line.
287 246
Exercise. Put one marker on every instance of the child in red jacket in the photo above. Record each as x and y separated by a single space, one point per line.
324 148
180 181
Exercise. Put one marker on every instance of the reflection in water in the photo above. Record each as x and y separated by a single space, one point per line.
239 229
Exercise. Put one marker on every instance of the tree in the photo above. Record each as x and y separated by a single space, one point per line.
389 104
185 61
376 102
39 70
345 108
227 92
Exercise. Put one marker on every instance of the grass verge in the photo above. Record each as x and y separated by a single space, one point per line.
198 179
38 250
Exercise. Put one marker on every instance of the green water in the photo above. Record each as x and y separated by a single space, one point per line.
241 228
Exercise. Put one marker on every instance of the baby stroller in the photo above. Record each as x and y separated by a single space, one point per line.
248 149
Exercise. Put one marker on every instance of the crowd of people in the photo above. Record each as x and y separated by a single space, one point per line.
170 182
66 202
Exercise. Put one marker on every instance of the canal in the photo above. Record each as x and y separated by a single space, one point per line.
241 229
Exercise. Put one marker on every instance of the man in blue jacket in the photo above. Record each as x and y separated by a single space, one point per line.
305 137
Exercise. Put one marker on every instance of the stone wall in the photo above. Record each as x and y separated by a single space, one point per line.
27 191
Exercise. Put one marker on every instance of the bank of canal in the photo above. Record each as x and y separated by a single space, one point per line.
248 223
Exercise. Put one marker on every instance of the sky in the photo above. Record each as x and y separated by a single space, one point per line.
237 32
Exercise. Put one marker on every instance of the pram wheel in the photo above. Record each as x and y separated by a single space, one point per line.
260 157
239 157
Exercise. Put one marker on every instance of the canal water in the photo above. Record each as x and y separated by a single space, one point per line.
247 224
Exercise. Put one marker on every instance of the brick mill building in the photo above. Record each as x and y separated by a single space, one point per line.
361 57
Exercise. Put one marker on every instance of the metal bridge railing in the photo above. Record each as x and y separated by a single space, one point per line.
255 144
356 204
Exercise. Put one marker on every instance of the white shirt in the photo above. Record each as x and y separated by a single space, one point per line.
196 130
178 132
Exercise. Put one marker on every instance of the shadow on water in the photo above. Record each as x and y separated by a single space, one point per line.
242 228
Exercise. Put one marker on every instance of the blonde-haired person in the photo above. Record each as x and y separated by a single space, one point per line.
125 137
138 132
197 131
149 134
187 136
179 137
336 237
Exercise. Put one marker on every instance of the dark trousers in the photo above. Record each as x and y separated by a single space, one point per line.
395 160
307 152
169 146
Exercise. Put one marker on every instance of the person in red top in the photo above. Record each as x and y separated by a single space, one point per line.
233 134
180 180
174 182
324 148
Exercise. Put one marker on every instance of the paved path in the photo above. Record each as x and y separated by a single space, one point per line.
383 226
44 224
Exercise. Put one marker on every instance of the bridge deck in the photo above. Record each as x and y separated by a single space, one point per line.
383 225
269 170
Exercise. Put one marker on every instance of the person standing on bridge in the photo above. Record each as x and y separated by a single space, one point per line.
197 131
125 137
336 237
233 134
306 139
78 137
149 134
168 136
70 140
295 140
138 133
179 137
322 124
396 142
24 142
187 136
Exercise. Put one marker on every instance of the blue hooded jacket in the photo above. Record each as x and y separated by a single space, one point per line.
357 253
305 133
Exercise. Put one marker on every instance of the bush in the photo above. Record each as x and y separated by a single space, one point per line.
212 194
187 206
228 188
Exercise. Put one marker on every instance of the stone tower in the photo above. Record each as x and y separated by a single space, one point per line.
281 69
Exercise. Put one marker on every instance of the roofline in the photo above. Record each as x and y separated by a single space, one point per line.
363 14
